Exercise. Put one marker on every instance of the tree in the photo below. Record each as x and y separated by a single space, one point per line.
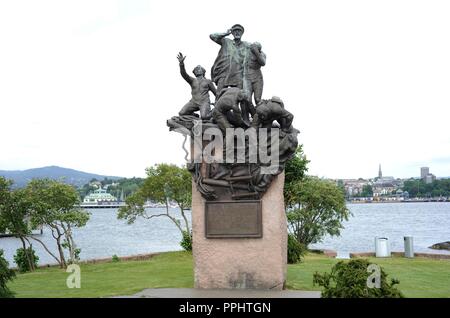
419 188
341 186
54 205
294 171
367 191
15 213
43 202
295 250
22 260
123 186
314 207
317 208
6 275
164 183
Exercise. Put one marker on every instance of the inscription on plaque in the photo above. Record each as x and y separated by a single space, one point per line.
233 219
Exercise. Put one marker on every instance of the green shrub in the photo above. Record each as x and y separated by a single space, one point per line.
351 280
21 259
76 252
186 241
115 258
295 250
6 275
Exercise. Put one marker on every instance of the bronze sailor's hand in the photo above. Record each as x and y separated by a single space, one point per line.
181 58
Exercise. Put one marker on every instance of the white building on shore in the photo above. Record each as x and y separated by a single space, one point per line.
99 195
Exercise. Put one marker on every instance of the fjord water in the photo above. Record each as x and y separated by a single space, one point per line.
105 235
427 222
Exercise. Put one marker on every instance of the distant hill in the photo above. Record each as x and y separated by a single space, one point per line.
70 176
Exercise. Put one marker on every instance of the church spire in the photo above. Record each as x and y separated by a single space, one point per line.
380 174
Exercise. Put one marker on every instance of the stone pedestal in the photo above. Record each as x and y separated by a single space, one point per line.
243 263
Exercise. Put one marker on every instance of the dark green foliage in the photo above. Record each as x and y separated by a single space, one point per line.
6 275
294 172
54 204
418 188
341 186
127 186
367 191
15 214
115 258
186 241
164 183
43 202
350 280
295 250
21 259
314 207
75 251
317 208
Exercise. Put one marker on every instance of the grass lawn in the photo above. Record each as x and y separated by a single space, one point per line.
109 279
418 277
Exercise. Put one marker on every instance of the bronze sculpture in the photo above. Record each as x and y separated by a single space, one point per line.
228 68
226 111
260 146
200 88
254 74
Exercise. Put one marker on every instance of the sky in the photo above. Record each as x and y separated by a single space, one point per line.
89 85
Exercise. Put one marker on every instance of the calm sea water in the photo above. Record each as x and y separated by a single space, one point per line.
428 223
105 236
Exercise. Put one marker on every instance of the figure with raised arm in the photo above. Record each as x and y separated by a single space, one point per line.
229 66
200 88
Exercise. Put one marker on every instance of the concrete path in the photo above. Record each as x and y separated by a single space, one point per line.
222 293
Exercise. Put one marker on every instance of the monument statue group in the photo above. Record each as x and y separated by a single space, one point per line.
238 149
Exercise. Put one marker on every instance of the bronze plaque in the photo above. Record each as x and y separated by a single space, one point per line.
233 219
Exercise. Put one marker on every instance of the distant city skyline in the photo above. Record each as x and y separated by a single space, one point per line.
420 176
89 85
423 173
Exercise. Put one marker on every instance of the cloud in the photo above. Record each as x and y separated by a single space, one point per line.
90 84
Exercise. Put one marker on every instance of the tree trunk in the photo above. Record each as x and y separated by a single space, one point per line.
63 263
71 245
176 223
46 248
30 254
27 256
69 242
185 218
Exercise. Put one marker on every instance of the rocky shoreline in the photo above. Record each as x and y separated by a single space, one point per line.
441 246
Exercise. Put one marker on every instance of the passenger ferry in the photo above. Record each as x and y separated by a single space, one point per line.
101 199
